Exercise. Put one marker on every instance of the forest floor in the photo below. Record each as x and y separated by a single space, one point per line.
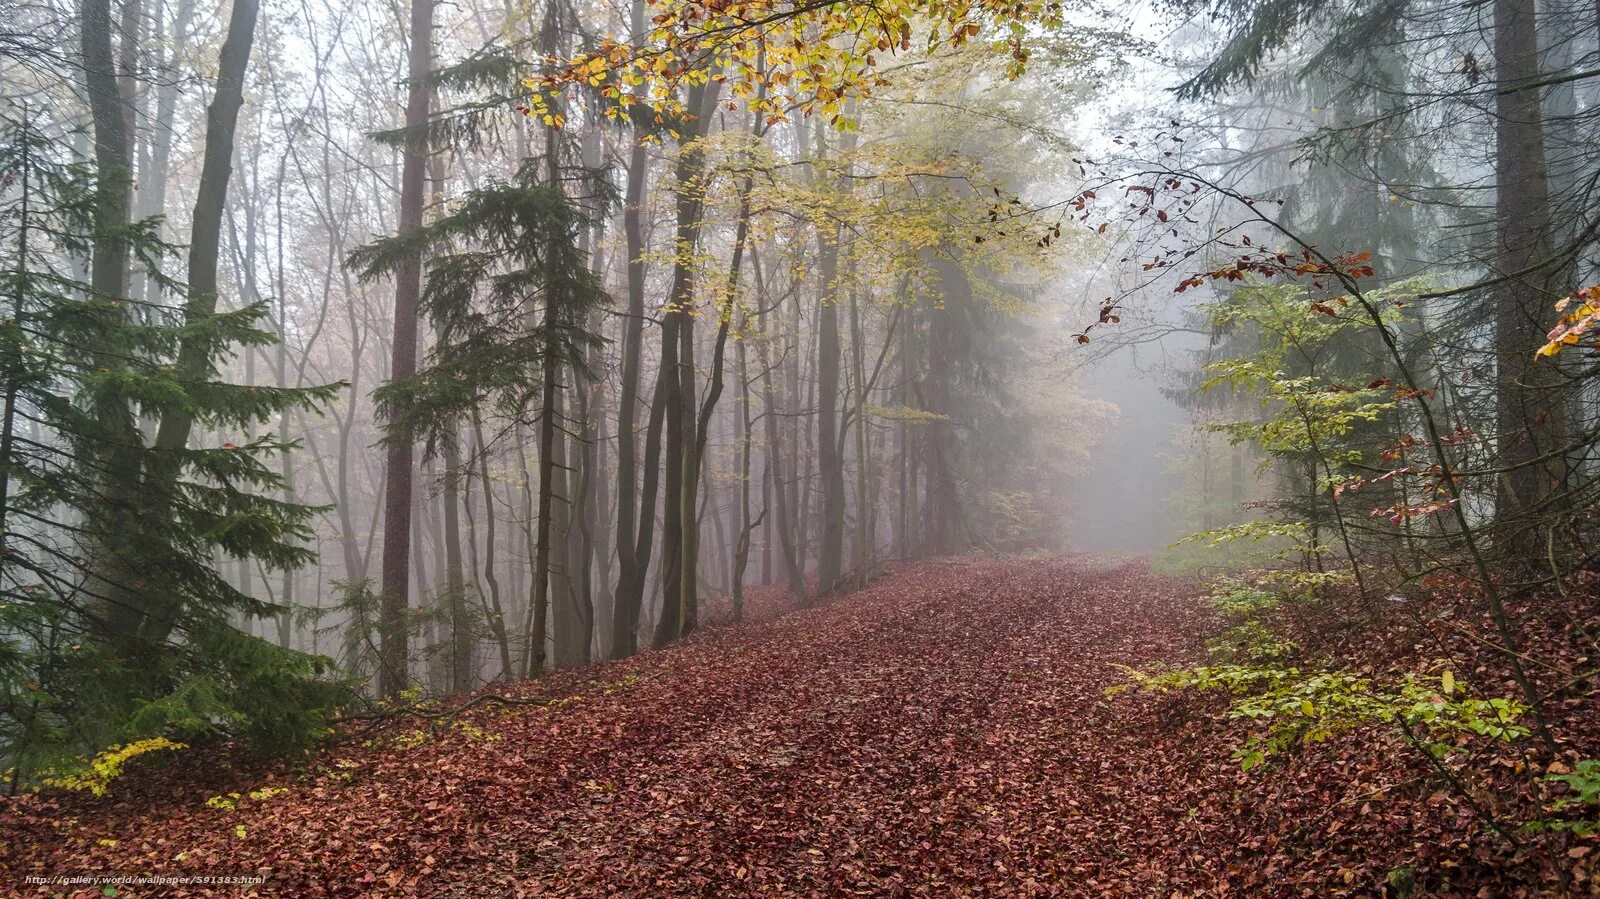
943 732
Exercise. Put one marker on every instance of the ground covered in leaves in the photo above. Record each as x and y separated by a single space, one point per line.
943 732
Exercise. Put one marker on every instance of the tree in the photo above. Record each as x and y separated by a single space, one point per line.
395 566
509 301
196 353
681 532
1531 416
635 521
74 678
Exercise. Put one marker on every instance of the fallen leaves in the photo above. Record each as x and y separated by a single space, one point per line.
943 732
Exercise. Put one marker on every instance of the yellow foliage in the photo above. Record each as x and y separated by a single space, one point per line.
224 803
782 56
474 733
100 771
410 740
1575 323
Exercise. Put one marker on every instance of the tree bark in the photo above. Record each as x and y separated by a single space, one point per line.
108 279
393 675
1531 419
830 461
680 544
455 582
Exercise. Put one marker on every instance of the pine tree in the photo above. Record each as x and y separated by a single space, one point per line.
85 662
509 295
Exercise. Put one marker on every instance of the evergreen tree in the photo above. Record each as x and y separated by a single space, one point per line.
74 674
510 295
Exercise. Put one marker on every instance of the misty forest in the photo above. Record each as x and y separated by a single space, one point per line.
799 447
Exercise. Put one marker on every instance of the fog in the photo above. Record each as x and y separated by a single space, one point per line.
453 355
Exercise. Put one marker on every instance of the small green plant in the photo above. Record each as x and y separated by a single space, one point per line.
1297 707
1402 881
1250 641
410 740
1584 781
1238 598
1583 785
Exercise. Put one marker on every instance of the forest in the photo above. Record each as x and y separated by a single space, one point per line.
799 447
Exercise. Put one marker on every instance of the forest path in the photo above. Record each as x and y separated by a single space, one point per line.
942 732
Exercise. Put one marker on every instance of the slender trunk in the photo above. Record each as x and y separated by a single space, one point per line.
395 570
600 540
903 518
493 611
782 520
154 198
490 576
14 364
830 462
863 538
680 546
461 637
805 445
571 636
633 525
632 581
547 474
630 520
245 271
741 550
108 279
286 456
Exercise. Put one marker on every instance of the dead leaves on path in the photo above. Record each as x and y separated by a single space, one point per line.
944 732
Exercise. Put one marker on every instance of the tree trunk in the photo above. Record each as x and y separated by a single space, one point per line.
547 473
568 618
863 538
780 490
395 569
493 611
830 462
153 193
680 544
1531 420
455 583
205 238
635 526
941 511
108 278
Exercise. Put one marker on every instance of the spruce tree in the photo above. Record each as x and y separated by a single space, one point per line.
508 290
74 675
